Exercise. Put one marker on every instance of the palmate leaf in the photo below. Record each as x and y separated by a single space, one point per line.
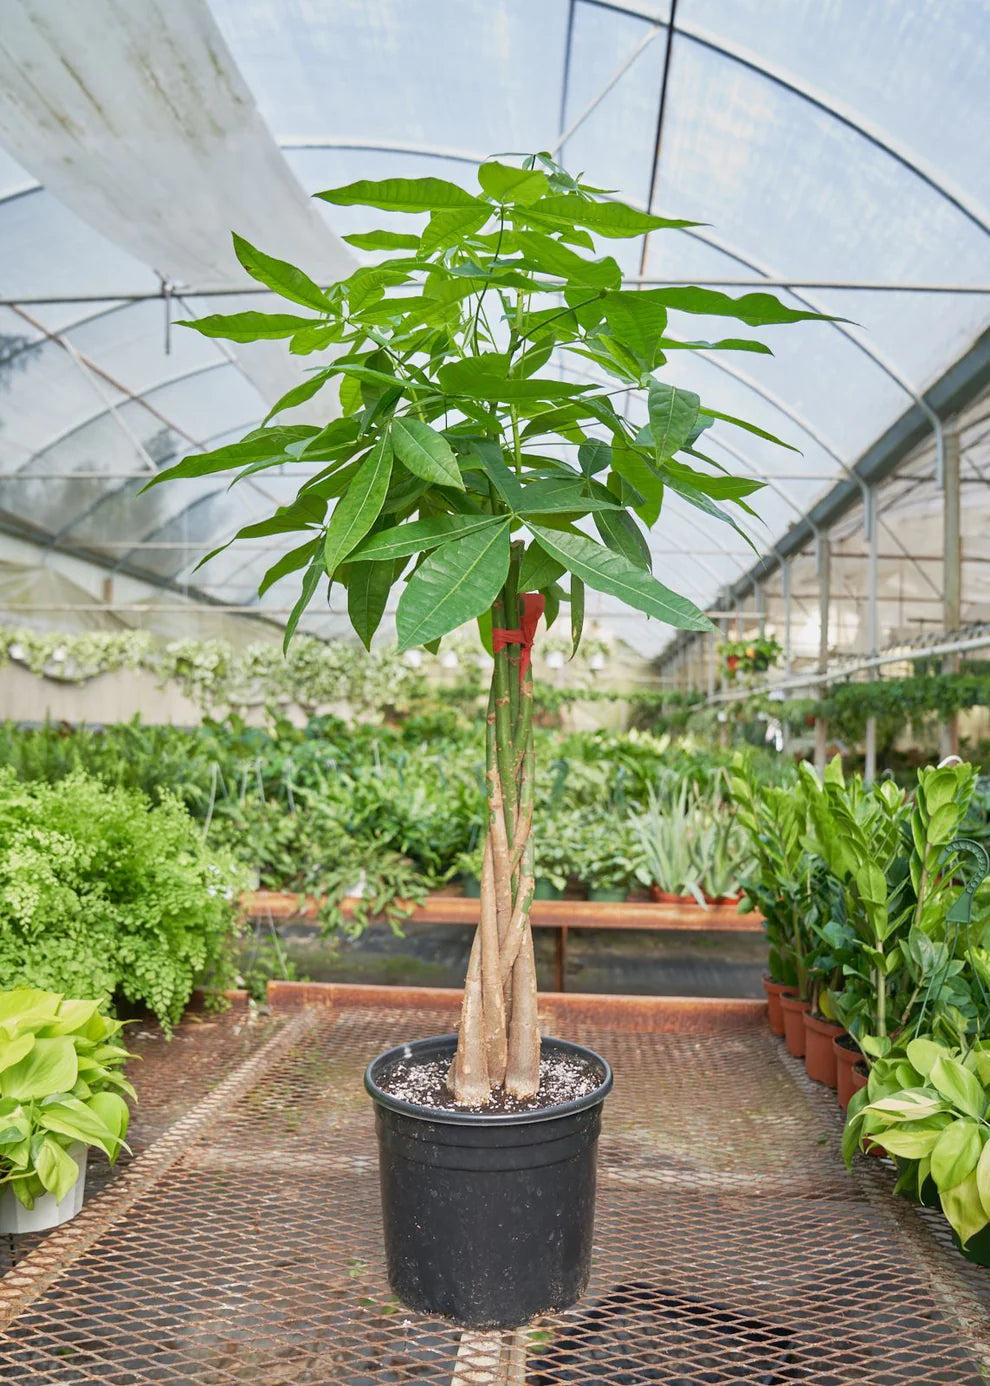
455 584
290 562
613 574
504 183
359 506
310 582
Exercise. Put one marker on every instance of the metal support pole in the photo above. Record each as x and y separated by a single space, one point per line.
822 555
785 582
760 604
951 572
711 663
872 633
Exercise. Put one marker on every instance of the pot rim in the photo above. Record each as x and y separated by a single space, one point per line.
446 1117
797 1002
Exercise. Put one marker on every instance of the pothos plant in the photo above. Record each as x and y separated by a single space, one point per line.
461 465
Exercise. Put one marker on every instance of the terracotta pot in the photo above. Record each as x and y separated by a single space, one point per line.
846 1059
775 1016
664 897
819 1053
794 1008
724 899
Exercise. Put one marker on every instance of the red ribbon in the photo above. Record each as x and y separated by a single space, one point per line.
533 604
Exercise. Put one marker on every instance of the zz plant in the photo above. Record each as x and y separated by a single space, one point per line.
459 463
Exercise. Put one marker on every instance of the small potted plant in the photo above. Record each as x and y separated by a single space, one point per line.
606 856
459 461
60 1095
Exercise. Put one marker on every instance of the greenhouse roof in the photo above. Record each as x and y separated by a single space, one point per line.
836 151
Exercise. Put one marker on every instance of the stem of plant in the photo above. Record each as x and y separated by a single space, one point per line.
499 1040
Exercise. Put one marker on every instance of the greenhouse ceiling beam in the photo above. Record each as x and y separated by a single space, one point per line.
873 286
658 137
837 111
960 384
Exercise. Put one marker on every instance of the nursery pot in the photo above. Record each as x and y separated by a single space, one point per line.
47 1211
471 885
819 1051
606 894
793 1009
544 889
847 1055
665 897
488 1219
775 1016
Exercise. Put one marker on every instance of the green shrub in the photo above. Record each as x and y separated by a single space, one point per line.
103 894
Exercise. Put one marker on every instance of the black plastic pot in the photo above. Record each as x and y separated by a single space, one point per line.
488 1219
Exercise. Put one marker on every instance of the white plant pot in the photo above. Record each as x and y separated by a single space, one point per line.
47 1211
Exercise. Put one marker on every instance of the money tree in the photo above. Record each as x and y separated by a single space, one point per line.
498 439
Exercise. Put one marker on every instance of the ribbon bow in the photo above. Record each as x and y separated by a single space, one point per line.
533 604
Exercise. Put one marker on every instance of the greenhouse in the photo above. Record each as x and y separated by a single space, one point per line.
494 692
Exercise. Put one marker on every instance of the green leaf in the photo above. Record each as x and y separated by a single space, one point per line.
400 195
632 466
577 613
958 1086
453 585
538 570
290 562
12 1051
279 275
613 574
425 453
300 393
673 414
621 534
610 219
449 228
594 456
756 310
56 1168
265 445
549 256
74 1119
749 427
506 184
922 1053
964 1209
49 1067
112 1110
310 582
484 377
368 587
638 320
420 536
561 495
248 327
383 240
359 506
725 344
983 1178
912 1143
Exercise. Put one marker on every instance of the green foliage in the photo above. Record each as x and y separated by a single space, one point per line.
437 353
690 841
928 1104
59 1087
103 894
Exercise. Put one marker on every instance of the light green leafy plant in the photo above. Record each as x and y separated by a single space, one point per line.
59 1086
928 1105
462 465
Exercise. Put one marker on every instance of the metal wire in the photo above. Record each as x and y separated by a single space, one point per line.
731 1245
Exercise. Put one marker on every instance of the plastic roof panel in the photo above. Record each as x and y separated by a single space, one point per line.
842 142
